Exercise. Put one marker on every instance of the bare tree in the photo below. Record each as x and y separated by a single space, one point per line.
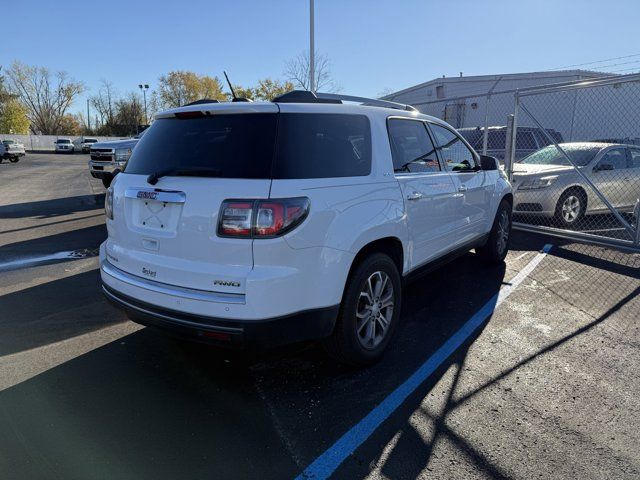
385 92
297 72
47 96
104 102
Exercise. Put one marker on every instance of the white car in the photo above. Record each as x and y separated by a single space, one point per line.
259 224
11 150
63 145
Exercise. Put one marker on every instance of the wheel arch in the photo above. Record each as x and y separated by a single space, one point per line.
391 246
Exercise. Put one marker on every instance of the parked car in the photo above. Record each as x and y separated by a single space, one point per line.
86 144
528 140
12 151
109 158
63 145
545 184
225 229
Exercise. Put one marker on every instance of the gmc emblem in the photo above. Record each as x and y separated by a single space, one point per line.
147 195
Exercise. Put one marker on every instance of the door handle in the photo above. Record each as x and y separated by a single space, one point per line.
414 196
462 188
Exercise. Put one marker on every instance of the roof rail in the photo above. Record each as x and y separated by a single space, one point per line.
374 102
305 96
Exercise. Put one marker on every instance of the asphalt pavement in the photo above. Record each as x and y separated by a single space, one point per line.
546 387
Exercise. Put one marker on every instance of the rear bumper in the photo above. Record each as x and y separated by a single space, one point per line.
308 325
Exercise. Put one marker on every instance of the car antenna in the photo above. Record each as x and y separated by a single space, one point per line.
233 93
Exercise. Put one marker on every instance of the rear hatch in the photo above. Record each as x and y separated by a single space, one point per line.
167 231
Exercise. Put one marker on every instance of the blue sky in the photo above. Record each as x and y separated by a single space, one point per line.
372 45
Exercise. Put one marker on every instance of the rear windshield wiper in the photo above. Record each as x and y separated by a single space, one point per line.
184 172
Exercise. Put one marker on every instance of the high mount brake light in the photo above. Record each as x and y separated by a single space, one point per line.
261 218
189 114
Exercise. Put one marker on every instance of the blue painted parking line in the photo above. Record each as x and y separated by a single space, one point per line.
331 459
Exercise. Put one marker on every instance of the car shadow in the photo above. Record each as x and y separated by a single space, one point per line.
149 406
54 311
53 208
86 241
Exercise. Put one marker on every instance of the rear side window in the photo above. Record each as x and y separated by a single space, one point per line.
238 146
322 145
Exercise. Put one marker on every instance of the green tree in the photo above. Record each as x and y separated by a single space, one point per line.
13 117
268 89
179 87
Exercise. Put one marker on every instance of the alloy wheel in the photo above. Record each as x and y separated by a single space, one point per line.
375 310
503 231
571 208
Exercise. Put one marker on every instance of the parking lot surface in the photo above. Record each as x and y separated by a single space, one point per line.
547 387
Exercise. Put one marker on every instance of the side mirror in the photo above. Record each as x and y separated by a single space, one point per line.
107 177
488 163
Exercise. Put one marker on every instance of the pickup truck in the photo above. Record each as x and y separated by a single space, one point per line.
11 150
107 157
87 143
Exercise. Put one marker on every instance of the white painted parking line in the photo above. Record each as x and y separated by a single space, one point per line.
331 459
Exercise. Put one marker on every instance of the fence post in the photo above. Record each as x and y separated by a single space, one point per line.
510 147
485 135
636 216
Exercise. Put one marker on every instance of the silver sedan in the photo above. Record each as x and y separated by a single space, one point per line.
545 184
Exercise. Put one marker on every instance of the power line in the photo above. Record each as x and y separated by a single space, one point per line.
618 64
598 61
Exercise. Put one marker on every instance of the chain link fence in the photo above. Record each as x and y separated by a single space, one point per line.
585 184
571 150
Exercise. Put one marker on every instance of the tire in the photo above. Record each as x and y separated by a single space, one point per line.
359 347
106 183
571 207
14 159
497 246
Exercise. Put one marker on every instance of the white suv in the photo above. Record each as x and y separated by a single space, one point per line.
259 224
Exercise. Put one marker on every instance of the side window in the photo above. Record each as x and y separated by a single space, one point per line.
525 141
411 147
635 157
454 153
615 159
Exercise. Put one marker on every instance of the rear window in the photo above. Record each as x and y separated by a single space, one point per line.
239 146
244 145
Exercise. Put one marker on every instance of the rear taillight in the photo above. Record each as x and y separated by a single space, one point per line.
235 219
261 218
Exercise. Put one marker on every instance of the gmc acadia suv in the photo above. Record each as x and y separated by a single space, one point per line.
260 224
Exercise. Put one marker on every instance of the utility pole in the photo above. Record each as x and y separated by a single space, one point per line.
144 87
312 49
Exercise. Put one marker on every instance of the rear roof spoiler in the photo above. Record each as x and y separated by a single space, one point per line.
305 96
